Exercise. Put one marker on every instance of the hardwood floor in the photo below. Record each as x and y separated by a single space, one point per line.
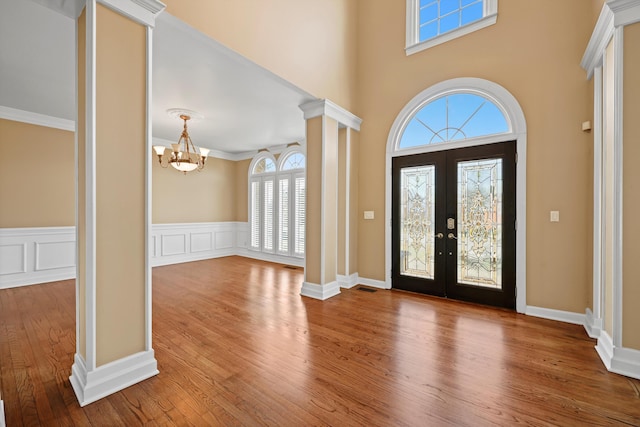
237 345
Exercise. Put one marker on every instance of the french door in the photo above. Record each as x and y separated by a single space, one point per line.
453 224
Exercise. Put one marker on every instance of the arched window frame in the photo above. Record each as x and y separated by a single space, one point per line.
518 132
260 237
265 233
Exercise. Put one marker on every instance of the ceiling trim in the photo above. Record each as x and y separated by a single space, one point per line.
324 107
614 14
141 11
29 117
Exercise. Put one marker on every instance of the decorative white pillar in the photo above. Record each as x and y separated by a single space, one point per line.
324 119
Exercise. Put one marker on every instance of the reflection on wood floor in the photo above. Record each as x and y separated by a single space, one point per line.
237 345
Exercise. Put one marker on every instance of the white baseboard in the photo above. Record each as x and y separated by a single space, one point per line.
347 282
2 419
36 255
112 377
620 360
262 256
560 315
380 284
592 325
321 292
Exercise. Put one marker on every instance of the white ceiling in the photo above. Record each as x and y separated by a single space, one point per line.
245 107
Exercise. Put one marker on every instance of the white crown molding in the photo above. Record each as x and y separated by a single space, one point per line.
324 107
23 116
225 155
69 8
90 386
614 13
141 11
625 11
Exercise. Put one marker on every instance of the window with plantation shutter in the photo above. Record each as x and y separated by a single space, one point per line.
283 215
255 214
267 228
299 215
277 203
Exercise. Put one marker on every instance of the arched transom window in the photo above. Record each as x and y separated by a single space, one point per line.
454 117
277 203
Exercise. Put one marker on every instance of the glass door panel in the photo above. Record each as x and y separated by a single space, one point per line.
453 224
480 223
417 219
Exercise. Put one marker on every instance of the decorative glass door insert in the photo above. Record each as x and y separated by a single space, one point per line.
480 223
418 219
453 223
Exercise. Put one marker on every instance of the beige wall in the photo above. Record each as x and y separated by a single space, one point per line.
120 186
205 196
631 183
311 43
544 75
313 229
39 192
242 190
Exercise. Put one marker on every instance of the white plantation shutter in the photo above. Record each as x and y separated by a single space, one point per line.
283 215
277 204
299 215
255 215
268 216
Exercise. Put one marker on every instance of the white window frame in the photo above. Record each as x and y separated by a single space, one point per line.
413 43
274 177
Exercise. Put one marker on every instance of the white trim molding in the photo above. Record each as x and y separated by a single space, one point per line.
593 324
2 417
380 284
517 131
324 107
30 256
31 118
559 315
321 292
614 13
347 282
104 380
620 360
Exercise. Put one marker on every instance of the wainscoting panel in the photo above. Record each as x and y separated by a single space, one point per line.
193 241
36 255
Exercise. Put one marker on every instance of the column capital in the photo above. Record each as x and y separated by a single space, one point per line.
324 107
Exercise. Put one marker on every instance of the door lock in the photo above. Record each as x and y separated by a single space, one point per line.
451 223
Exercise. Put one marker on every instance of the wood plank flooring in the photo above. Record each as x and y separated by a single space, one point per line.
237 345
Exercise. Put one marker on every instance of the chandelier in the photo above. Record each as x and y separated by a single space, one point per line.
185 156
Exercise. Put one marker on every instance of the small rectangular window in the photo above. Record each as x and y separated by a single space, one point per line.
432 22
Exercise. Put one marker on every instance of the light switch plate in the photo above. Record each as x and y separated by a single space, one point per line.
554 216
368 215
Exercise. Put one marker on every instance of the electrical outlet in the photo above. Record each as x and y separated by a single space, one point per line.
368 215
554 216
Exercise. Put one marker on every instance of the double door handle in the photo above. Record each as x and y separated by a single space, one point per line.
450 236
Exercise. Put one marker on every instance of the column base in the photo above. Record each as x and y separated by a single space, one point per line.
347 282
321 292
112 377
